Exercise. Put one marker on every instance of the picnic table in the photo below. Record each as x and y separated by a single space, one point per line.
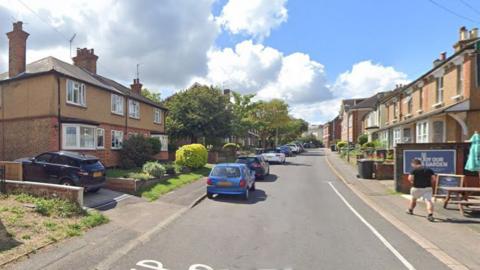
463 198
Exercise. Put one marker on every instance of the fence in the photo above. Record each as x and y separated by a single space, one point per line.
12 170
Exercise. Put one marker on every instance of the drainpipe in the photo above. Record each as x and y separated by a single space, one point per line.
59 114
127 98
3 120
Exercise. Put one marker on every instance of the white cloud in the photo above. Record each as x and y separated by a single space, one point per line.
253 17
255 68
318 112
367 78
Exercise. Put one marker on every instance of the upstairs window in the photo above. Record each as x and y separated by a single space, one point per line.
76 93
420 99
460 79
117 104
134 109
409 102
439 90
157 116
395 110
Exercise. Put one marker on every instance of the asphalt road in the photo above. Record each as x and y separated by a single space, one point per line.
301 217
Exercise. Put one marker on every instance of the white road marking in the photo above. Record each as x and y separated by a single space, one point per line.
374 231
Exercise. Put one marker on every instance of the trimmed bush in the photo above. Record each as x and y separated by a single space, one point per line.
154 169
193 156
341 144
368 145
231 146
135 151
362 139
156 145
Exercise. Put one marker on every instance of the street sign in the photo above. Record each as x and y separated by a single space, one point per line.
440 161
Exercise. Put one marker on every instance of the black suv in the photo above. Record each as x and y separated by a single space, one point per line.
65 168
256 163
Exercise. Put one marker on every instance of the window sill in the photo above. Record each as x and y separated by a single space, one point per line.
115 148
457 97
157 123
419 111
132 117
394 121
119 114
78 149
437 105
77 105
408 116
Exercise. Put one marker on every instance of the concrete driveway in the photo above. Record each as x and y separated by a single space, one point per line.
105 199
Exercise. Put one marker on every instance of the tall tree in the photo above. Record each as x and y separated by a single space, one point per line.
200 111
242 106
152 95
268 117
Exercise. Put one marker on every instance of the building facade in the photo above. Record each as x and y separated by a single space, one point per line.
51 105
442 105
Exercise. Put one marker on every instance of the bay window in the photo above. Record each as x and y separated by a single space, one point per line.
76 93
397 136
77 136
422 132
100 138
117 139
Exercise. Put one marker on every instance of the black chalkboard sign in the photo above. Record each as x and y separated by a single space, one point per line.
447 180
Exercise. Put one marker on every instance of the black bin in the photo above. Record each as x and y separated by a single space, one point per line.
333 147
365 168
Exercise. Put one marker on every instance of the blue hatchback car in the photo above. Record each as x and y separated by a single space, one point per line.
231 179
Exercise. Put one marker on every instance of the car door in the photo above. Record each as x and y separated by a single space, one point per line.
36 170
56 169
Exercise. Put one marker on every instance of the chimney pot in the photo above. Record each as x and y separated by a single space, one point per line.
463 33
86 59
474 33
136 86
17 50
443 56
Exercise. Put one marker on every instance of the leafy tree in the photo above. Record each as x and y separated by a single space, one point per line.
153 96
242 106
200 111
268 117
292 129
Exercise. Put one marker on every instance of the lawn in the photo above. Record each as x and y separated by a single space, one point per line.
28 223
154 192
136 173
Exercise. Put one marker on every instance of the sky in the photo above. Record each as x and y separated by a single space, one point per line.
310 53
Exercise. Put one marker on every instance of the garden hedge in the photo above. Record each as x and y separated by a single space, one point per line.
193 156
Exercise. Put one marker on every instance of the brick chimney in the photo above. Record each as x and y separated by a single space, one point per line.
136 86
86 59
17 50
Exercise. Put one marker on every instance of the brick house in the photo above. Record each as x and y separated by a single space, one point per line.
332 132
51 105
442 105
351 120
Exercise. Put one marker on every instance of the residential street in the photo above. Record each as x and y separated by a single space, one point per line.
295 221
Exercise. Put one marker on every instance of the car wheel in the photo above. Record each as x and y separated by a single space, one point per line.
246 195
252 188
209 195
67 182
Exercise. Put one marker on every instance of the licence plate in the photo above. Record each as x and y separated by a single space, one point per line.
224 184
97 174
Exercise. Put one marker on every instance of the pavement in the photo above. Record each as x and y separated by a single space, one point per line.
305 215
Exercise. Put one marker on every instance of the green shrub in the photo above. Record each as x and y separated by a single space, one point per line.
57 207
362 139
341 144
170 169
368 145
135 151
154 168
193 156
156 145
231 146
93 219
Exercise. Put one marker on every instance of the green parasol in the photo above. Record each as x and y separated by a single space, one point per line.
473 162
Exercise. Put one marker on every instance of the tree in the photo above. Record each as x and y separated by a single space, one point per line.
200 111
153 96
268 117
242 106
292 129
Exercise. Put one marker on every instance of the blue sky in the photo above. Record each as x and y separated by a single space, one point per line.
407 35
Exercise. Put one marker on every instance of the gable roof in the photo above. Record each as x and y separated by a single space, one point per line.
52 64
371 102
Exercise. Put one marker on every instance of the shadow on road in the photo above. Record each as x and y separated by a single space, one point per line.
313 154
457 221
268 178
6 239
289 163
255 197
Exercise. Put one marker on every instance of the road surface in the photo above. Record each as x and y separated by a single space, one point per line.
301 217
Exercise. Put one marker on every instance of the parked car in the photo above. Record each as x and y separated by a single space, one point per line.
294 148
65 168
231 179
274 156
286 150
256 163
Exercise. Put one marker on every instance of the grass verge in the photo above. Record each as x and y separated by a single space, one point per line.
136 173
154 192
28 223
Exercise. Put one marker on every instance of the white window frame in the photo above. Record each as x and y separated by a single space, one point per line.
444 129
115 133
157 116
133 109
163 141
397 136
439 90
77 145
74 86
422 132
97 133
118 104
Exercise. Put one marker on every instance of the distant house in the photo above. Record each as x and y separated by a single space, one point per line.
51 105
351 119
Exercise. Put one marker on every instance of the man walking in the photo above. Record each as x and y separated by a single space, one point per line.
421 179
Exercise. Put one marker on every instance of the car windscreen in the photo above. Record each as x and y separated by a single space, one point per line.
247 160
228 172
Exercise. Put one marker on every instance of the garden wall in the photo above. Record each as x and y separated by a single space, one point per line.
70 193
131 186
